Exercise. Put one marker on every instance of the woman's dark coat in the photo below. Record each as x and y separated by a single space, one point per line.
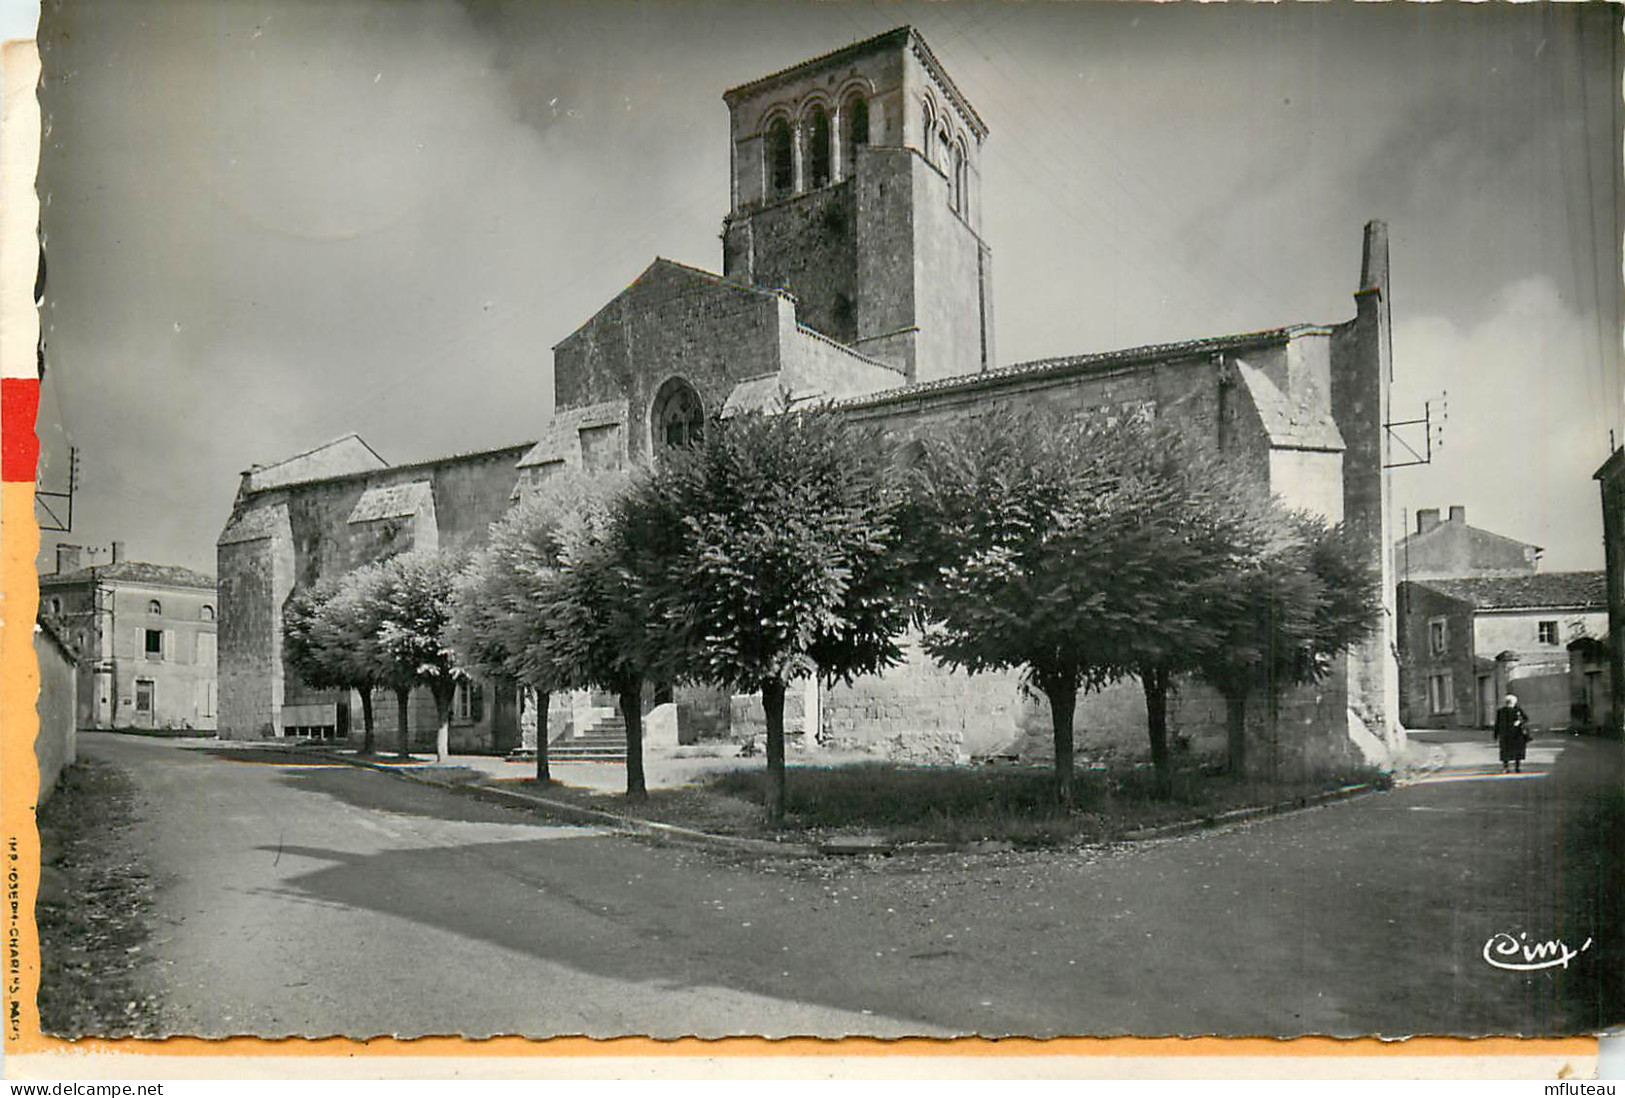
1511 732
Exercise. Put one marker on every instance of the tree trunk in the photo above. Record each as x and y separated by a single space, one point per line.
401 697
367 744
631 701
443 697
773 710
1235 731
1154 681
544 702
1063 701
1272 733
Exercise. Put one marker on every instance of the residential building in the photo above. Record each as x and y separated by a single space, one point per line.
1451 549
145 634
855 273
1466 643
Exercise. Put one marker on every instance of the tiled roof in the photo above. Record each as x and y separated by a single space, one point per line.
251 525
1069 364
133 571
1582 590
392 501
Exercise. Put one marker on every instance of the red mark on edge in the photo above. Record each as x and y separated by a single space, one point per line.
19 445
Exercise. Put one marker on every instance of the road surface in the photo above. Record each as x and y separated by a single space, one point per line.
322 899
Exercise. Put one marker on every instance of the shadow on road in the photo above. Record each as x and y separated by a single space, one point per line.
380 792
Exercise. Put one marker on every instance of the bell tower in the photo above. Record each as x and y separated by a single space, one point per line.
856 185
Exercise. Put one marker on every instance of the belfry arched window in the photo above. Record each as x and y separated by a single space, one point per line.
958 196
818 147
677 418
927 129
781 159
854 130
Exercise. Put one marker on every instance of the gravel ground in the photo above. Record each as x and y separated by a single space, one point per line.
95 909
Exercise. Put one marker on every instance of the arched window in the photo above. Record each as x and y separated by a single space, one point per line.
818 148
154 606
781 160
958 195
677 419
945 145
207 613
928 127
855 130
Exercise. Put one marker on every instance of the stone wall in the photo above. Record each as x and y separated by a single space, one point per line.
283 540
56 744
672 322
807 245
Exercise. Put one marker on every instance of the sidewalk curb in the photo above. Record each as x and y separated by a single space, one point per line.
633 825
1241 815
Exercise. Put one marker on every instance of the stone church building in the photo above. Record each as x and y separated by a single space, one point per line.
854 272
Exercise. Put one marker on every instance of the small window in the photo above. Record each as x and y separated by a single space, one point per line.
1548 632
56 606
468 707
957 195
1442 693
207 613
781 161
818 148
155 607
1439 636
154 644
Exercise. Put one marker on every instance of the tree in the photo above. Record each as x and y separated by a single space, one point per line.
1206 536
1308 598
498 623
329 638
1277 595
1013 511
413 598
604 632
1079 550
771 546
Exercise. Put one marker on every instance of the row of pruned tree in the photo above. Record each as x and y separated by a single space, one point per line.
1077 550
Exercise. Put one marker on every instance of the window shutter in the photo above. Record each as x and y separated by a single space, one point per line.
169 652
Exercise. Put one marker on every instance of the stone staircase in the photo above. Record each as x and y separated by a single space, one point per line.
604 741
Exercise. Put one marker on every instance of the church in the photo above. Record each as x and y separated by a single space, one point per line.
854 273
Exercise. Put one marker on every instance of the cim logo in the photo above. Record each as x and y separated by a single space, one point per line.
1521 955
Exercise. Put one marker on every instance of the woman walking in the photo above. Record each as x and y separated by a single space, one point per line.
1512 733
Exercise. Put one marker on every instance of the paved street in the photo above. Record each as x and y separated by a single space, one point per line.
321 899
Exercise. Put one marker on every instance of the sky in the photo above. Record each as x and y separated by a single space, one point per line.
272 223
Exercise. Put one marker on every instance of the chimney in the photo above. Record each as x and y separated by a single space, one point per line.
1374 258
68 558
1458 514
1427 519
118 549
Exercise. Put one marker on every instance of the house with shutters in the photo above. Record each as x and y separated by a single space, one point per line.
145 638
1465 643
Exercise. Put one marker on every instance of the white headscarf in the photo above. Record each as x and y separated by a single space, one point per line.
1510 701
